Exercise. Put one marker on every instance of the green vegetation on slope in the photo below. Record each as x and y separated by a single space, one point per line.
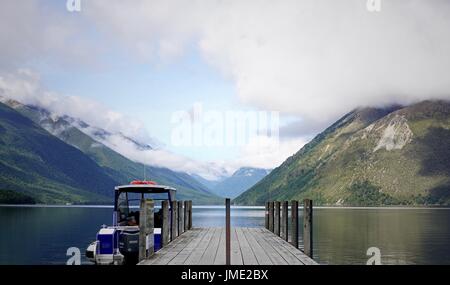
41 166
12 197
123 170
366 194
400 153
117 167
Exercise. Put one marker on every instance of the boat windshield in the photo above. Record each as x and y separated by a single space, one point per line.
123 207
127 207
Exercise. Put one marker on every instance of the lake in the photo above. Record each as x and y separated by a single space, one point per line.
42 235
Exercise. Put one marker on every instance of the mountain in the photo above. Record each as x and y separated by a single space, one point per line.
210 184
39 165
241 180
370 157
120 169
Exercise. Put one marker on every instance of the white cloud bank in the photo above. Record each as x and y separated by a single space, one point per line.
314 58
25 87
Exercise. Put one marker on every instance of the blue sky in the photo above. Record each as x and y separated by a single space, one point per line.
151 93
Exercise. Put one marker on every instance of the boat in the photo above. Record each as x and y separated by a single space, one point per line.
118 244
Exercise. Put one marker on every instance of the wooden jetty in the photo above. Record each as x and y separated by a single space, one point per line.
185 245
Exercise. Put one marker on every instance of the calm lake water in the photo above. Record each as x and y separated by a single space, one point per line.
41 235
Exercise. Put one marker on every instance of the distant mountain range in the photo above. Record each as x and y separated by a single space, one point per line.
240 181
59 159
370 157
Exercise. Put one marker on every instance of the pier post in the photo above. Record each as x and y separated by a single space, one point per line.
284 220
180 218
174 221
276 223
271 216
227 232
190 214
186 215
307 227
146 224
294 223
165 227
266 216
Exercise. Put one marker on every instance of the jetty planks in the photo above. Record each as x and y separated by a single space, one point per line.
249 246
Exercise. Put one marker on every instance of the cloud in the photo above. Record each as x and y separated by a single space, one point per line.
314 58
298 128
267 152
163 158
25 87
34 30
317 59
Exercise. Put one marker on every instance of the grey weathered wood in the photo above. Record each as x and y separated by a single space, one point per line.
173 249
266 216
271 212
191 246
220 256
296 252
276 219
227 231
174 221
249 246
142 231
165 227
248 257
294 223
186 215
190 214
197 254
180 218
284 220
209 256
236 249
285 247
276 242
259 252
308 227
146 225
273 253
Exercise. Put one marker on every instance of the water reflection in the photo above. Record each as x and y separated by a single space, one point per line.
41 235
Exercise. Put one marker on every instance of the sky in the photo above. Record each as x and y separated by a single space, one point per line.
137 67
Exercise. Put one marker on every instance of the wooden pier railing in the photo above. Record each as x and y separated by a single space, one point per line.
277 221
229 245
176 220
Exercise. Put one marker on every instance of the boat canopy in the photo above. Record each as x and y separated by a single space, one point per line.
145 189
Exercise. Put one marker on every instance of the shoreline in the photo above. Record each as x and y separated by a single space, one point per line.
234 207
